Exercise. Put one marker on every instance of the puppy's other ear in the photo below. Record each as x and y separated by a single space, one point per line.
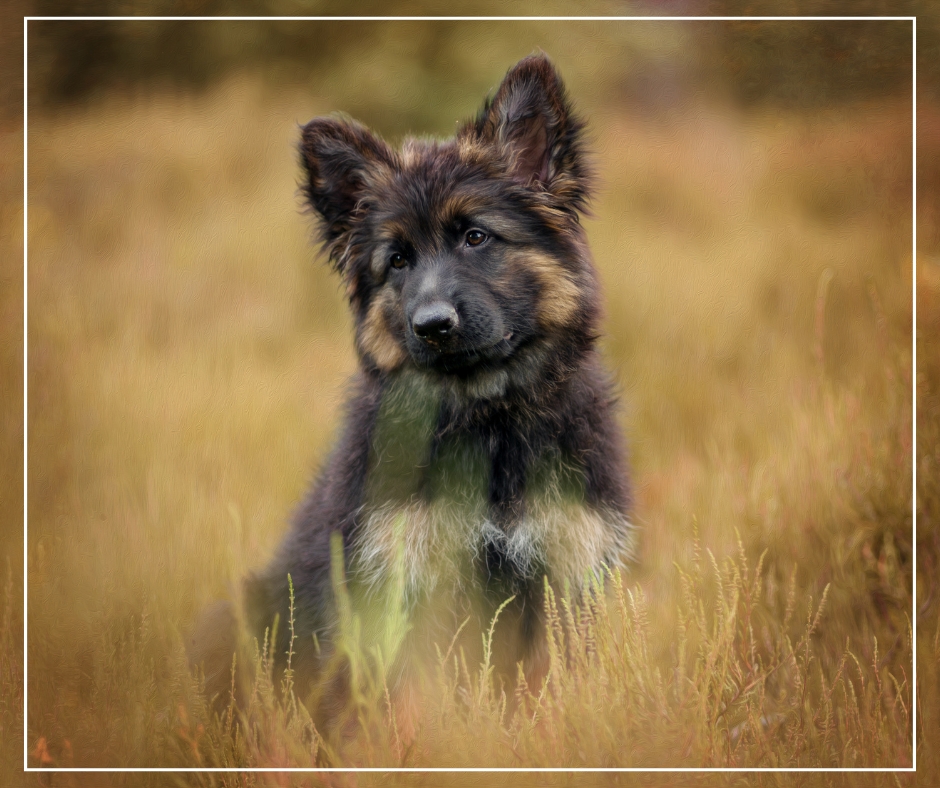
341 159
531 122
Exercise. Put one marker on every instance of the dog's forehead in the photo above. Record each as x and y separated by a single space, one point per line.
435 184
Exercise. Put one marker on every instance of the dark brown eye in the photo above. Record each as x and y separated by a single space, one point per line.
397 261
475 238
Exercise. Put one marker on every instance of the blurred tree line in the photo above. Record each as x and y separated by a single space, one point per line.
794 64
812 63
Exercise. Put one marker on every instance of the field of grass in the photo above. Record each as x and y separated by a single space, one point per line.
187 358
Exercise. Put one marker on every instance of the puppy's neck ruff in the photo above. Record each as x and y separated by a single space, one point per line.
429 510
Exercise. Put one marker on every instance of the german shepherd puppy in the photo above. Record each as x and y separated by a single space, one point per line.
479 453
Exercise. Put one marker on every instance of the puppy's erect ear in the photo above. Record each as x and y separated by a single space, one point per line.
342 160
531 122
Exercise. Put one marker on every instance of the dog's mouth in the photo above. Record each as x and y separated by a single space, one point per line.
457 359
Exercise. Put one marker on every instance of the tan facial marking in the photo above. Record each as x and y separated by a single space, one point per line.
376 339
560 298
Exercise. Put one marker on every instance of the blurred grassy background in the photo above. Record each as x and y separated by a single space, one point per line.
187 352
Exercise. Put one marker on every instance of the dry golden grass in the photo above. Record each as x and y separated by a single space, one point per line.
186 365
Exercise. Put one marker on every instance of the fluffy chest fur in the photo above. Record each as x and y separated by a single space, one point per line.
443 513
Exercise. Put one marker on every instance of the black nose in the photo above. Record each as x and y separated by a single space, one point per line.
434 322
